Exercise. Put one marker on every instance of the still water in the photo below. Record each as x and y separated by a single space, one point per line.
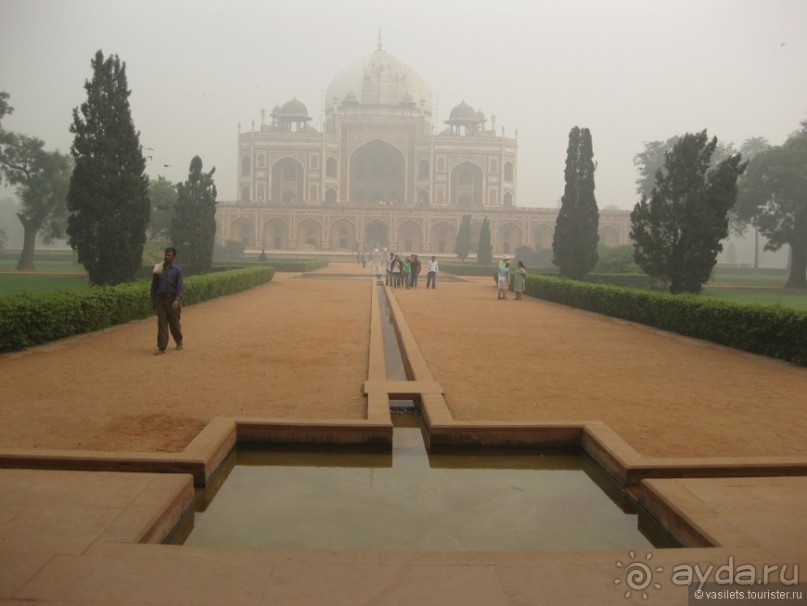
483 499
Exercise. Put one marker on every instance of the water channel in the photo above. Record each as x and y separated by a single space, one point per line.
467 499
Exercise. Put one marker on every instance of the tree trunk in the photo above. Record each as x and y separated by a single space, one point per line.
26 262
798 267
798 251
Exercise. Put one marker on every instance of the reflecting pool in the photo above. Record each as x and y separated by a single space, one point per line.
462 499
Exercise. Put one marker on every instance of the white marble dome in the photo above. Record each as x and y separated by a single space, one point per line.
380 79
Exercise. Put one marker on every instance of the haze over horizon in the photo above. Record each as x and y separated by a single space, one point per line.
632 71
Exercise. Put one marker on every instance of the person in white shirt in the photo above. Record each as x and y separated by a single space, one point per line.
432 268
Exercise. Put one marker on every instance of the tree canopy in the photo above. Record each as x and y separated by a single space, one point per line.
193 229
42 179
677 231
773 197
5 108
108 197
163 198
574 245
652 157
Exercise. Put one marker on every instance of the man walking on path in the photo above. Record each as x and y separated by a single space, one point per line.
166 296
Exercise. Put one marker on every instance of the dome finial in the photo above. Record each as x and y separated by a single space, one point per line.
379 38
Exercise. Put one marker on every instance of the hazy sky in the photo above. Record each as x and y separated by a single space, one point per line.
632 71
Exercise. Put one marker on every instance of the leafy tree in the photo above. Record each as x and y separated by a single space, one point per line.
574 245
773 197
463 246
484 252
108 197
677 232
42 179
651 159
232 250
193 229
750 148
527 255
754 146
163 197
616 260
5 109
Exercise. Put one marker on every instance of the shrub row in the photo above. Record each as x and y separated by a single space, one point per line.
769 331
470 268
279 264
31 319
630 280
475 269
297 265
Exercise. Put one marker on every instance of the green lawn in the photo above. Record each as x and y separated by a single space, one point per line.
50 275
16 283
770 279
787 298
755 287
59 267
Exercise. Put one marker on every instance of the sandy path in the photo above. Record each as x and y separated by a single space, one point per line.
291 348
298 348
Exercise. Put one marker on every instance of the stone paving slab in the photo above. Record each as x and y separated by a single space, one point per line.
89 562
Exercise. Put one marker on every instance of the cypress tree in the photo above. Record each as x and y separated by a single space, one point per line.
193 228
484 253
575 241
108 196
463 246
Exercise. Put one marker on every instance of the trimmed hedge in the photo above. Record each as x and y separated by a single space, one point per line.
769 331
279 264
475 269
297 265
32 319
472 268
630 280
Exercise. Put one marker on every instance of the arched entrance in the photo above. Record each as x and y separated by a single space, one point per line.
243 230
377 172
343 236
443 237
410 237
309 235
376 235
287 181
466 186
275 235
